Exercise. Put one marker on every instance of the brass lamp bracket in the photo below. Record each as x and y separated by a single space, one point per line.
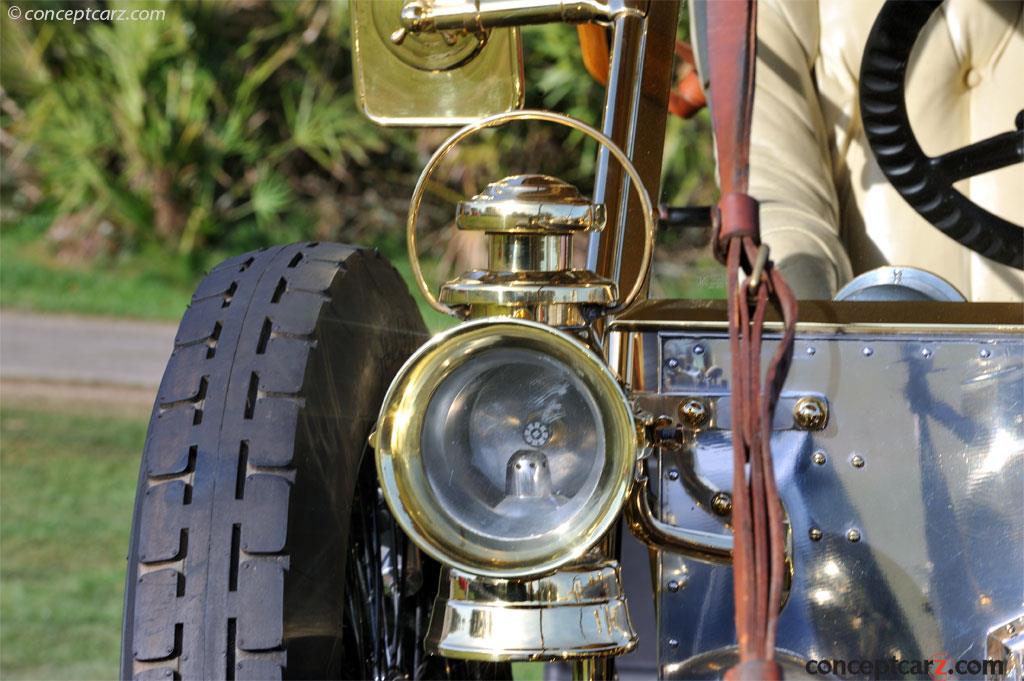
426 16
529 221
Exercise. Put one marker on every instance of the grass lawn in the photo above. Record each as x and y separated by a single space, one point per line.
149 286
67 485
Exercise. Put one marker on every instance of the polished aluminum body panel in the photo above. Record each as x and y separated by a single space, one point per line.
906 509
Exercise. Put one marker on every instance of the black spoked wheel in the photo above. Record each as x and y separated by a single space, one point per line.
386 606
390 591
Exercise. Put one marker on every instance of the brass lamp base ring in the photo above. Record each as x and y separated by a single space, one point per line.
555 298
575 613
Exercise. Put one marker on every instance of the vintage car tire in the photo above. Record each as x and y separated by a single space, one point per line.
248 483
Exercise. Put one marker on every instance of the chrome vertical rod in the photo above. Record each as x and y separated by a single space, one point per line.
617 65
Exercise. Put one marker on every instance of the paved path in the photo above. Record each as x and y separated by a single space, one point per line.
83 350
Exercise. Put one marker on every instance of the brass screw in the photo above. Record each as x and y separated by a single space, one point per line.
857 461
721 503
810 413
853 535
818 458
815 534
693 413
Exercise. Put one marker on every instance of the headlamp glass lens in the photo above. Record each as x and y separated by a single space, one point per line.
513 444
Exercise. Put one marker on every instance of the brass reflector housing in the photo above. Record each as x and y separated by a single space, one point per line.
504 448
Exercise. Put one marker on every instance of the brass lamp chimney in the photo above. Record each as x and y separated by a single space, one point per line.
529 221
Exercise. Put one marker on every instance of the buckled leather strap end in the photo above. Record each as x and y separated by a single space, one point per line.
737 217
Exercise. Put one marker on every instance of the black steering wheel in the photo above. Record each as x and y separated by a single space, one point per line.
926 182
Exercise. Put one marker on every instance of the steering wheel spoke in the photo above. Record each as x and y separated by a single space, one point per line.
998 151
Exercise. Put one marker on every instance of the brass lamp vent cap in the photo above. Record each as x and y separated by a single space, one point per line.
530 204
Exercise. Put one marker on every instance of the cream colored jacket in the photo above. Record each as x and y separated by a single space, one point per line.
824 199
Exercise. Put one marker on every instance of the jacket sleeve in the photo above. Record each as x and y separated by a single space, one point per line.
791 161
790 158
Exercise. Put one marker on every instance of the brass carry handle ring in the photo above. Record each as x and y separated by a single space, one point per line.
531 115
707 547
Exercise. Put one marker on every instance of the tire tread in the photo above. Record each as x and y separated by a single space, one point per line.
217 467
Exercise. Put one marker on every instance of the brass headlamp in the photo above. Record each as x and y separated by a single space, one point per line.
504 448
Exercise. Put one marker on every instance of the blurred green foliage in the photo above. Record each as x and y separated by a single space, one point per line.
231 125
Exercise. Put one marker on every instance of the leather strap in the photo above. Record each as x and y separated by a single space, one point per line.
759 534
731 42
737 217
